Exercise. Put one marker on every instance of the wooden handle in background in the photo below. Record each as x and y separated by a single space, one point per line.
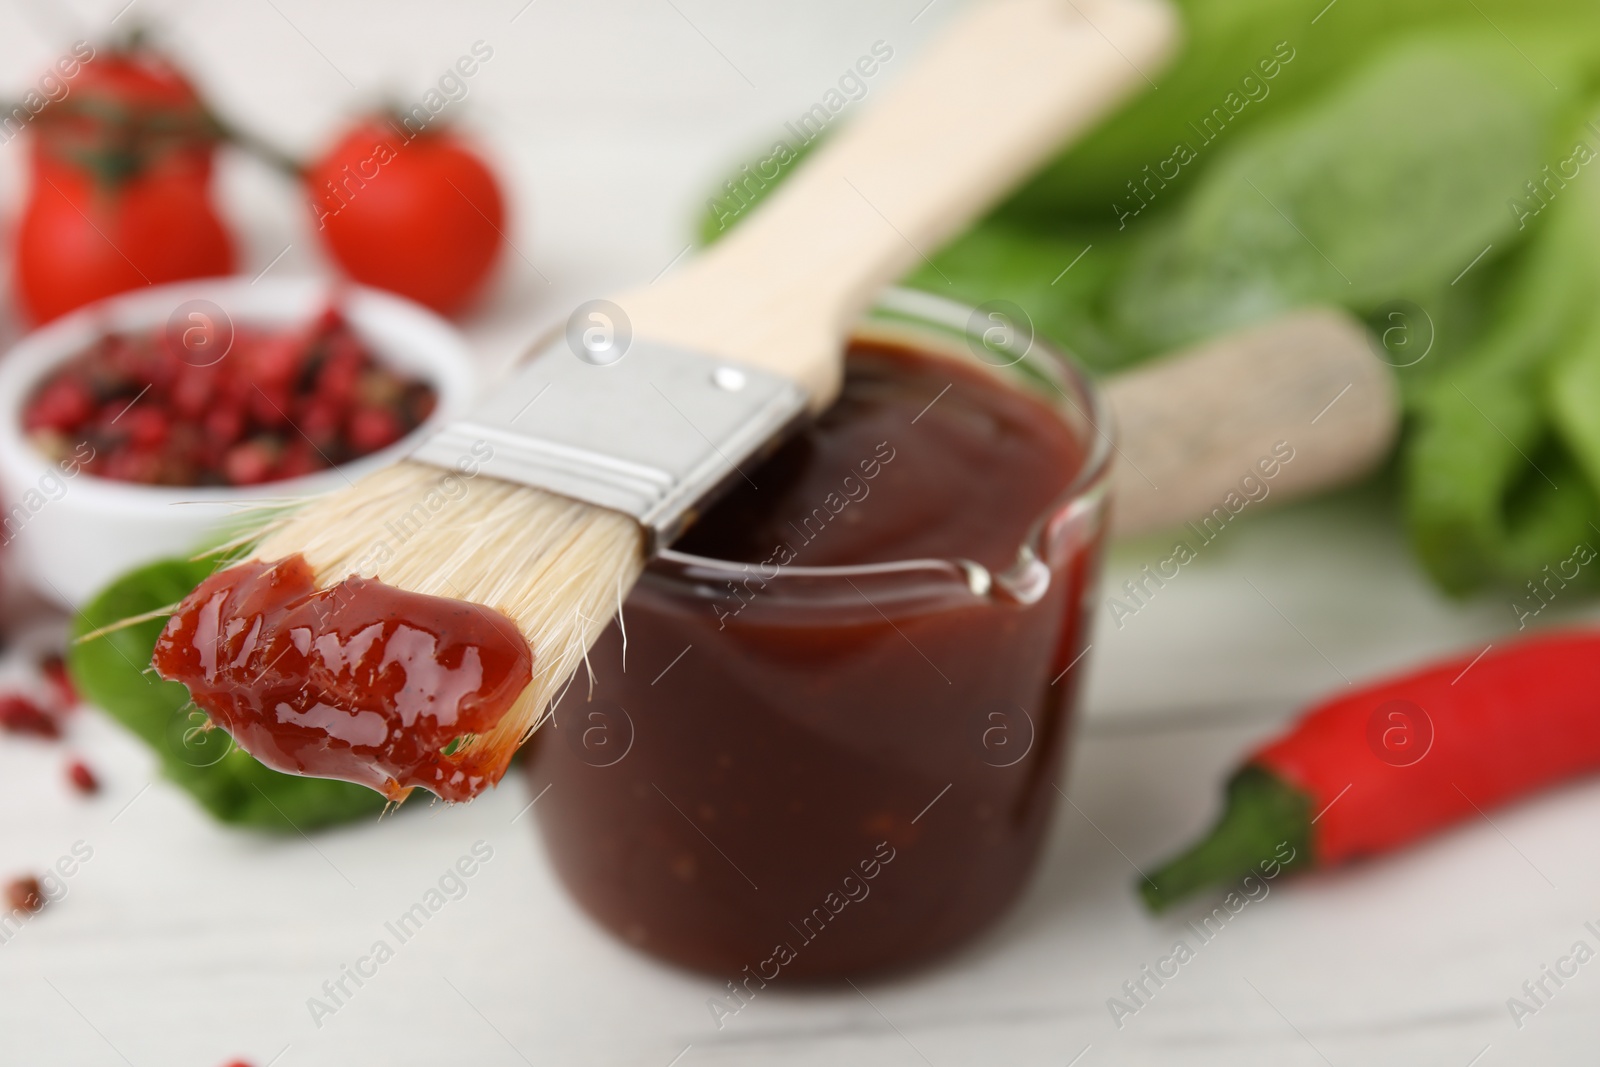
1191 426
1001 89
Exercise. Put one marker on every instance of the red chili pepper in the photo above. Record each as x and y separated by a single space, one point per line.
1377 768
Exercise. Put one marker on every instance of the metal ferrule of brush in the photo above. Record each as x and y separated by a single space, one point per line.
653 435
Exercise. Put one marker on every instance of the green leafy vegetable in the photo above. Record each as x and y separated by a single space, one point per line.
1226 41
1384 188
1058 277
110 671
1497 461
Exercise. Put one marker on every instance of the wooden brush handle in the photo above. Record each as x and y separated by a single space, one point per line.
995 94
1192 426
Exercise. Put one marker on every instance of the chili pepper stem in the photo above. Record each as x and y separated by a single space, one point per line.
1262 813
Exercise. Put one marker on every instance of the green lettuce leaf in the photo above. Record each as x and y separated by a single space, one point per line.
1500 444
111 671
1226 41
1384 188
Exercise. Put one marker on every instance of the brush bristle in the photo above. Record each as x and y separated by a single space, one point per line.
557 567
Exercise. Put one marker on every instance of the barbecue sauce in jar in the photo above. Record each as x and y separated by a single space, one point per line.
828 743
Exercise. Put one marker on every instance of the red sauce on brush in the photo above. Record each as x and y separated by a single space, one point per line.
360 681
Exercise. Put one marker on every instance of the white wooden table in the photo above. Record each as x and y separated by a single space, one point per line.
181 944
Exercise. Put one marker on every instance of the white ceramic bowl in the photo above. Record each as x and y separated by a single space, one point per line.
69 536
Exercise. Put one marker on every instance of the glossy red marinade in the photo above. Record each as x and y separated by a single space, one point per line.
360 681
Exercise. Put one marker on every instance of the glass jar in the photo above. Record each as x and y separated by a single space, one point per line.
855 770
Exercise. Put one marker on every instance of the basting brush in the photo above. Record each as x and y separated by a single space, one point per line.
608 438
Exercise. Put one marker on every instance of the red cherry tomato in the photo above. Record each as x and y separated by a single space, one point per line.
119 197
139 78
419 215
125 109
80 239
